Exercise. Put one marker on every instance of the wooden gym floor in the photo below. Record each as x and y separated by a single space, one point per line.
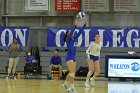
54 86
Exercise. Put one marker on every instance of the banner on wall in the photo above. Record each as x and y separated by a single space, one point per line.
36 5
110 37
7 34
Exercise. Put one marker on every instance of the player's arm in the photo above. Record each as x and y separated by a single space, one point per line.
80 31
88 49
71 33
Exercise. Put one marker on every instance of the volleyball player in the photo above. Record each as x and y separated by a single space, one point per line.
71 40
93 53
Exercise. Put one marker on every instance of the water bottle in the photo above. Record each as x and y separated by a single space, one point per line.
18 76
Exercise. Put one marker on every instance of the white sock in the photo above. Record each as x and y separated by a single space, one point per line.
66 83
72 85
87 80
93 77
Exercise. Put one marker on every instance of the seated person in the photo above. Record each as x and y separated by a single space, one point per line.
29 58
29 67
56 62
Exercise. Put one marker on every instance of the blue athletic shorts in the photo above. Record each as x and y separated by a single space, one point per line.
70 57
94 58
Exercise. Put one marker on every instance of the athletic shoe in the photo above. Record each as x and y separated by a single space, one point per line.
92 81
87 84
14 77
72 90
7 77
66 87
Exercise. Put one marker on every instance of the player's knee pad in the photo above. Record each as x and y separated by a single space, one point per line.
72 75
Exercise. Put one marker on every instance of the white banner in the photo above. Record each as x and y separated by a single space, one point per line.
126 5
118 67
95 5
36 5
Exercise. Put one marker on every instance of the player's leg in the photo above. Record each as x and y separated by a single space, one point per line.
70 77
10 65
91 70
97 71
72 67
15 62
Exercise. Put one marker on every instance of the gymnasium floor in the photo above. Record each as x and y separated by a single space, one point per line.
54 86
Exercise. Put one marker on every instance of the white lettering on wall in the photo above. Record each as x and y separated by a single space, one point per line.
3 37
57 38
22 37
117 38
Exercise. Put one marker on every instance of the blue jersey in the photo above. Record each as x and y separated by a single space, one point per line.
72 41
29 59
71 45
55 60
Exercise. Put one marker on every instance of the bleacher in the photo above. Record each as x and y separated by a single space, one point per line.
81 56
45 57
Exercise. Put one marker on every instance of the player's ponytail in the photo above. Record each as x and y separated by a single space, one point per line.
65 37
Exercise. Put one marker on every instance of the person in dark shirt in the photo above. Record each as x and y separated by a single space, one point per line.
56 62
